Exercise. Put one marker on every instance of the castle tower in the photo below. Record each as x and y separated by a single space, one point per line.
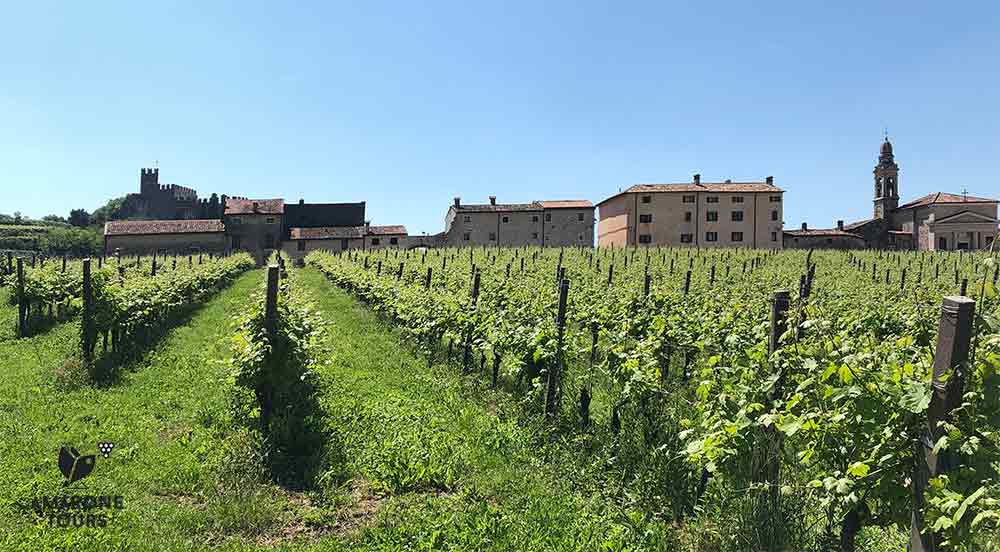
886 182
149 182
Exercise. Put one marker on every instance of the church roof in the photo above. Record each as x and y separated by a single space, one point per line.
939 198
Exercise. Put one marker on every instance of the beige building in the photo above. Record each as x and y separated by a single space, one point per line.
696 214
935 222
164 236
341 238
542 223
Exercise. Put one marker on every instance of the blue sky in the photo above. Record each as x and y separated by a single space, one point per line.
406 105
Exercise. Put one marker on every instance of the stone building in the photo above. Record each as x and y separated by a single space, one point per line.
695 214
341 238
164 236
542 223
168 201
937 222
832 238
254 225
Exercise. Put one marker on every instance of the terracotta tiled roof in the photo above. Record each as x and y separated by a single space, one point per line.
326 233
828 232
943 197
858 224
499 207
567 204
730 187
386 230
142 227
239 206
340 232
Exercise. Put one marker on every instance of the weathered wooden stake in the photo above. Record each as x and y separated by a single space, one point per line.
553 383
87 330
950 359
22 307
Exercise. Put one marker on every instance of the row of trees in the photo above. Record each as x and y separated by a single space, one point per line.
77 234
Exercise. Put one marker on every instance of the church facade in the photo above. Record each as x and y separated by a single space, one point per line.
939 221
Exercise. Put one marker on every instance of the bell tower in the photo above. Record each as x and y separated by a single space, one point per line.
886 182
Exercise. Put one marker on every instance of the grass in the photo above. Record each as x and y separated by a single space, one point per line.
8 316
173 456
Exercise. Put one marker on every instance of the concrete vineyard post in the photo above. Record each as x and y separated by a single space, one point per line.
950 359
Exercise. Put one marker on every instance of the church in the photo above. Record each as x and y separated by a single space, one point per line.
939 221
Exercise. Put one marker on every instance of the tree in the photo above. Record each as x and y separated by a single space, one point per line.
109 211
79 217
17 217
53 218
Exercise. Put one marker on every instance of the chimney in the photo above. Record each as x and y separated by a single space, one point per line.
493 200
255 206
840 225
729 181
770 180
804 226
458 201
368 225
302 201
697 179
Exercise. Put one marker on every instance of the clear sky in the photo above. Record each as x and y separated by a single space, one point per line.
406 105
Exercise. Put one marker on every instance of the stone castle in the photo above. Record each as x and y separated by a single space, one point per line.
169 201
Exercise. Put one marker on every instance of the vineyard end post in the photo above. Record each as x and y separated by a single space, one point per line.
87 320
22 308
950 358
553 383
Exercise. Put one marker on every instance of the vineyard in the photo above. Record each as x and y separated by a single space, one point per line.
804 415
508 399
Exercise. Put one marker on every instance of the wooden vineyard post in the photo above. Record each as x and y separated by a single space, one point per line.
965 287
645 285
427 280
902 280
611 273
64 263
22 307
467 350
711 279
271 328
152 271
399 272
768 465
687 282
585 389
87 320
555 371
378 268
951 356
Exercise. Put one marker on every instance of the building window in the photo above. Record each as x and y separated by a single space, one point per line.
376 241
711 216
774 236
736 237
775 199
687 238
688 215
774 215
506 219
737 199
534 235
688 199
467 218
737 216
711 236
645 218
579 217
712 199
393 241
301 245
645 238
579 237
269 220
548 217
493 236
534 218
647 199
